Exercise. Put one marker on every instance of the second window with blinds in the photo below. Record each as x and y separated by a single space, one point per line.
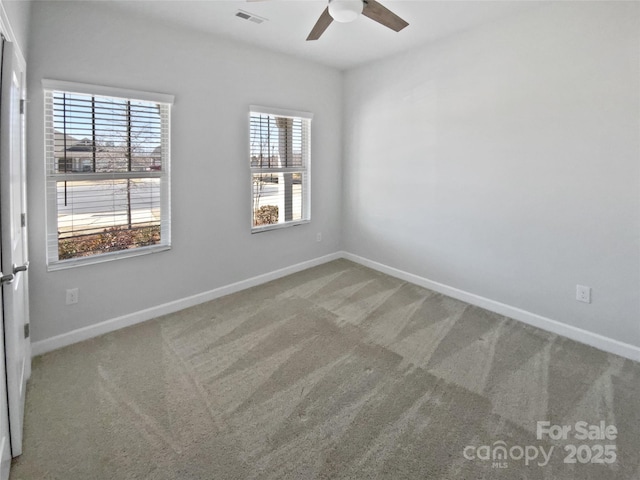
280 156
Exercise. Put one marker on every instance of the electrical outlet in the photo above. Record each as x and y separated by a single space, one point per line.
72 296
583 293
319 237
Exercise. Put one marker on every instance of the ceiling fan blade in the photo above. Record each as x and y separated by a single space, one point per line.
381 14
321 25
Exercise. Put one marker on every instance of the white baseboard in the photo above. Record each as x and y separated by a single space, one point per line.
598 341
583 336
62 340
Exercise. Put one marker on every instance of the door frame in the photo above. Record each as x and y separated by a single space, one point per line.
5 434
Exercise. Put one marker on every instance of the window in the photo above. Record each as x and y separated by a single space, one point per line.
279 160
107 171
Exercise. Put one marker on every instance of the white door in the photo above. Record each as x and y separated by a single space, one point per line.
14 247
5 445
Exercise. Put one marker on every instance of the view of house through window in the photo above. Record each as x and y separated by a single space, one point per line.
107 174
279 159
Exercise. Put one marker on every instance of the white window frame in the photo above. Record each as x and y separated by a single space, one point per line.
52 177
306 168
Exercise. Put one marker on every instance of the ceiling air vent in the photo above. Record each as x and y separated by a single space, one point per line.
249 16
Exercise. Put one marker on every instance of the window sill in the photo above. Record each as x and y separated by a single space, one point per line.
105 257
278 226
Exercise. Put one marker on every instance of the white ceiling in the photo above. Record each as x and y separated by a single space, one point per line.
342 45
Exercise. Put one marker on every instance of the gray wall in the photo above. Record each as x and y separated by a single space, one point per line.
18 12
214 82
504 162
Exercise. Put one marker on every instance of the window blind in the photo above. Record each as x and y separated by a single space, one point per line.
279 162
107 174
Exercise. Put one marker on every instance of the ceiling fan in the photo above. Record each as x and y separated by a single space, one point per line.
348 10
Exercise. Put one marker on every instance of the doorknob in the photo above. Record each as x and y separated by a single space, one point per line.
22 268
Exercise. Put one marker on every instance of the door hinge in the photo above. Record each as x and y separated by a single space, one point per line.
22 106
23 220
26 330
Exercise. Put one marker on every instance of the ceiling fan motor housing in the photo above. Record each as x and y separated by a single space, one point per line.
345 11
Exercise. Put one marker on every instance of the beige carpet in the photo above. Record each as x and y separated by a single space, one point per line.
334 372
